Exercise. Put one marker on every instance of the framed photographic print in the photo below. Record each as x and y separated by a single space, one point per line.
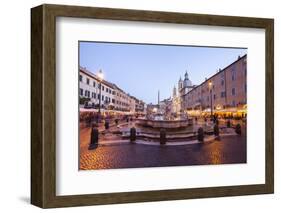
136 106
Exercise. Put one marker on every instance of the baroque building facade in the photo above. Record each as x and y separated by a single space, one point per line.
112 96
225 91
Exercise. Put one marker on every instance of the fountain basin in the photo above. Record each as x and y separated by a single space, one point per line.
173 124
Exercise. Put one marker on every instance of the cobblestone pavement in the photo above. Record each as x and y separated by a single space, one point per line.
231 149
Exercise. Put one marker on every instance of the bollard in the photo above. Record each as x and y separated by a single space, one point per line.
133 134
238 129
94 138
200 135
163 138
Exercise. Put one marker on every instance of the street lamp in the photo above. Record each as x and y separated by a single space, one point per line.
100 78
211 94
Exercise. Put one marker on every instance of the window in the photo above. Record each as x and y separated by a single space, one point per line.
81 92
102 87
102 97
109 100
222 82
222 94
106 89
87 93
113 100
80 77
88 81
94 95
233 91
233 73
94 84
98 96
233 76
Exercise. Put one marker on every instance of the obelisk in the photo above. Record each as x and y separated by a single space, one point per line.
158 98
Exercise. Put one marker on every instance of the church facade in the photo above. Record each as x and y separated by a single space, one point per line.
184 86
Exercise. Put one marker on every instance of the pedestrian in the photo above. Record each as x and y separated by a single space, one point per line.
106 122
116 121
88 120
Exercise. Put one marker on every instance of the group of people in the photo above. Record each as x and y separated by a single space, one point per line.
96 118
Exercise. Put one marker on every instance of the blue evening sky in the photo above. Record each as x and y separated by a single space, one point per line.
141 70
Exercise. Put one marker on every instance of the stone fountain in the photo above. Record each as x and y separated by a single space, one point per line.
161 121
166 124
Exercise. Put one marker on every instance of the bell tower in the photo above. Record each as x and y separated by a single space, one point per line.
180 85
174 92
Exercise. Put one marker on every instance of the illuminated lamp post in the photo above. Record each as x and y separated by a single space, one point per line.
211 94
100 78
